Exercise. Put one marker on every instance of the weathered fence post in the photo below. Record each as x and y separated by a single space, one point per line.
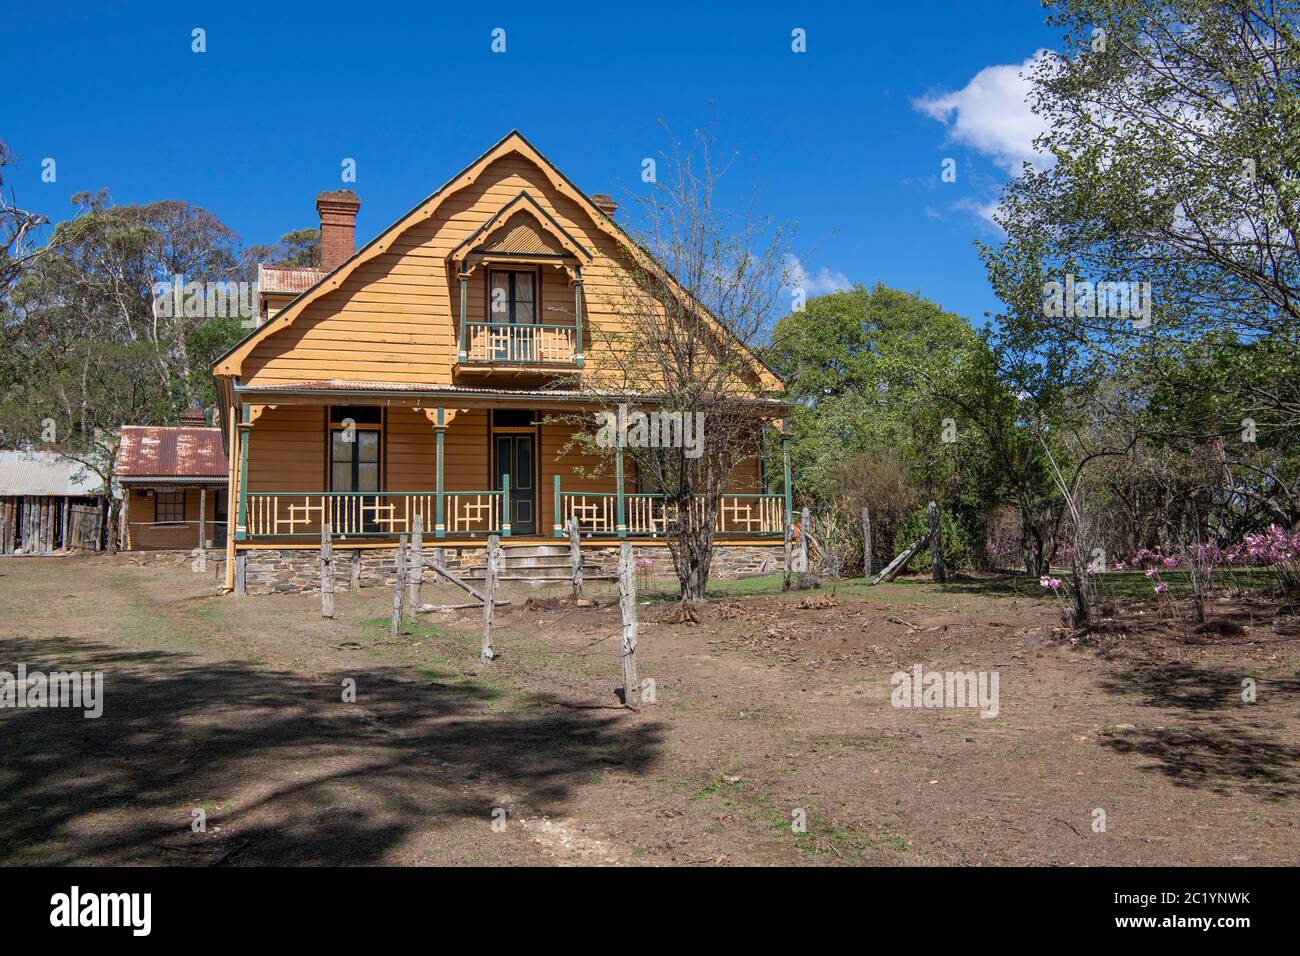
936 543
575 558
866 542
489 593
789 552
354 575
415 568
805 569
326 571
627 605
399 588
241 574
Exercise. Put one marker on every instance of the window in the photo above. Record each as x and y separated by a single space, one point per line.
169 507
354 460
511 297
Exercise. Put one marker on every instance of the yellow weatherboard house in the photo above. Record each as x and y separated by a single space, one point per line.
416 376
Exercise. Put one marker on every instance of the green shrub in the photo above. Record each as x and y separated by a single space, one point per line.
958 545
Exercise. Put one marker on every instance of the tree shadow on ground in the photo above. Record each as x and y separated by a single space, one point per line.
289 772
1222 743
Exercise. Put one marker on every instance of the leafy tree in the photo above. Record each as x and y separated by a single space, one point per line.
84 347
300 247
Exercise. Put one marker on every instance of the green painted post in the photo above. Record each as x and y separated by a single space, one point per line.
439 526
620 523
245 437
464 311
505 506
555 525
578 359
789 497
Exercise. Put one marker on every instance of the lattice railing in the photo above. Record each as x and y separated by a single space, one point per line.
488 342
650 515
287 514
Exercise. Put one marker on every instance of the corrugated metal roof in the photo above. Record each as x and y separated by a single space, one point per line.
46 473
152 451
293 279
541 395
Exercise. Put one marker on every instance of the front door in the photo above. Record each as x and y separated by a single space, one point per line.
514 457
354 467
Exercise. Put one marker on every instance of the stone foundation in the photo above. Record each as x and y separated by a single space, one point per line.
175 558
285 571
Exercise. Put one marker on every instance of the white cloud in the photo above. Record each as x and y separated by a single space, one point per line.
984 210
822 282
991 114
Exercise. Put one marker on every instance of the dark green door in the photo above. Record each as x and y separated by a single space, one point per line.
514 457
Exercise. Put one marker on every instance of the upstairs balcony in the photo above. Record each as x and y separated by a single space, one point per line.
484 345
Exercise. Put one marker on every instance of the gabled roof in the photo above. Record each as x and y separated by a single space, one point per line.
513 142
522 207
46 473
151 451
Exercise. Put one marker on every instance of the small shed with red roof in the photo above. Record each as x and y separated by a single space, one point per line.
173 484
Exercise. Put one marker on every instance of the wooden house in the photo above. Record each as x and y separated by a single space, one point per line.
391 382
49 503
174 486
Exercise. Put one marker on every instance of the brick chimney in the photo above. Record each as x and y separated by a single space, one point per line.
605 203
338 226
193 417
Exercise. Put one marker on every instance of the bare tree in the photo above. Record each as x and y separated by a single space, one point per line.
21 229
699 286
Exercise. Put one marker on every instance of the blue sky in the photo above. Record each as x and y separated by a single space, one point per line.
846 139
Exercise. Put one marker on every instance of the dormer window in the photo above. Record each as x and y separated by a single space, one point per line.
512 297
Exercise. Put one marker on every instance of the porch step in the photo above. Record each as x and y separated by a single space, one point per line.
537 564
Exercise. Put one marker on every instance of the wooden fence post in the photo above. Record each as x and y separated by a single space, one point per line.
789 551
489 594
399 588
866 542
354 577
627 605
415 568
575 558
326 571
936 543
805 523
241 574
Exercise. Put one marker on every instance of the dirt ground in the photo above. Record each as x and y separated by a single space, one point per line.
766 713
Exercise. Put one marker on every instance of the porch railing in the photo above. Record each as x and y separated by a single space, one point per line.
650 515
510 344
299 514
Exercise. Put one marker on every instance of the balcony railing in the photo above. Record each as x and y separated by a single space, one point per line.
504 343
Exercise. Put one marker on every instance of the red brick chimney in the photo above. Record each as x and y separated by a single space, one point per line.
194 417
605 203
338 226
